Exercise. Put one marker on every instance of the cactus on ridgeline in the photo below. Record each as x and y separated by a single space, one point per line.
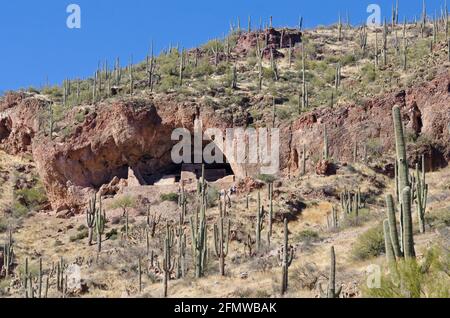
385 43
150 68
259 56
181 68
273 65
405 48
234 77
286 256
331 290
304 84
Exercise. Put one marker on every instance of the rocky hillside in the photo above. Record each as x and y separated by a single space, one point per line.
330 88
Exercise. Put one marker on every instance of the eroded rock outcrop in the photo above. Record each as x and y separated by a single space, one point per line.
135 134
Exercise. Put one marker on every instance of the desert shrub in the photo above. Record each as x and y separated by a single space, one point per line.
409 279
112 235
79 236
34 197
204 68
369 244
3 225
212 196
307 236
352 220
368 72
439 217
171 197
19 210
168 82
267 178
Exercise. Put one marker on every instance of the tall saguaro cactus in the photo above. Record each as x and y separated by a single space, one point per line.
402 162
168 263
221 242
100 221
286 257
408 239
421 195
199 241
393 226
331 291
259 222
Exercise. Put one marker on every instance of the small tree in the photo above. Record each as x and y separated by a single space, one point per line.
125 203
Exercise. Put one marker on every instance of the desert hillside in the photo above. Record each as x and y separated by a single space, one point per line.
92 205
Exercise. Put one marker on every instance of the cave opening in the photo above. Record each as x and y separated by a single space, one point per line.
189 171
5 128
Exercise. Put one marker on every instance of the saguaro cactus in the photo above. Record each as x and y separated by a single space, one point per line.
421 195
168 264
199 241
331 291
91 213
286 256
100 221
402 163
8 254
259 222
390 255
221 242
408 239
393 226
325 144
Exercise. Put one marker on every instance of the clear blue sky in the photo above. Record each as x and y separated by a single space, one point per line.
36 43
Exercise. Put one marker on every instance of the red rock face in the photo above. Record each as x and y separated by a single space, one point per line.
19 121
136 134
271 39
372 124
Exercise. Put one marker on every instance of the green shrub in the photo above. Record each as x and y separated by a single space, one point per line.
409 279
34 197
112 235
212 196
267 178
368 73
369 244
19 210
79 236
307 236
171 197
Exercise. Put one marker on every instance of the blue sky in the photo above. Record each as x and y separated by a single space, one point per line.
36 43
